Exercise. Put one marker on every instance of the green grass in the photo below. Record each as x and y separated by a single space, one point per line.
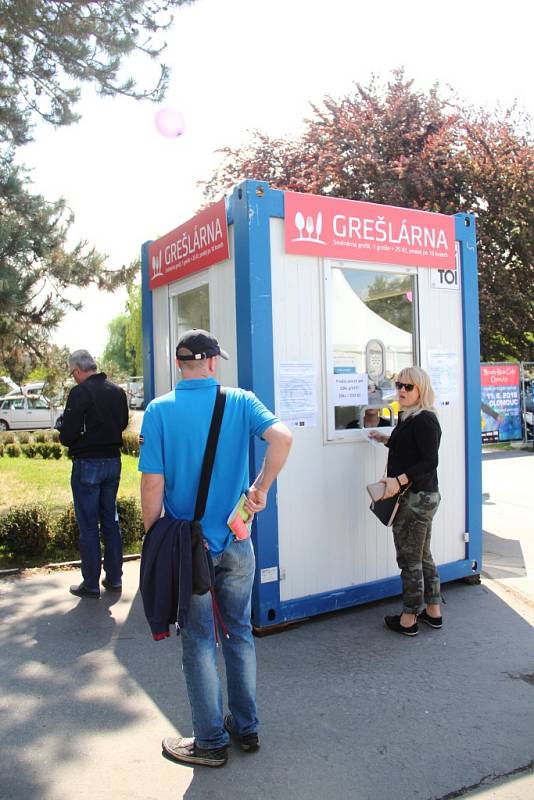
33 480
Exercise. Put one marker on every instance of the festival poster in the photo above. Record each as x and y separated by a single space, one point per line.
500 408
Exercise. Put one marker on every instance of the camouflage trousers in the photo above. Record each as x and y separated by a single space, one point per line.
412 529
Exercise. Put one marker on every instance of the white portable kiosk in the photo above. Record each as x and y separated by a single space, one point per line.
319 302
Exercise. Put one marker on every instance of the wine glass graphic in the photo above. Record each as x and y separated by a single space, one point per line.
306 224
156 266
299 223
318 225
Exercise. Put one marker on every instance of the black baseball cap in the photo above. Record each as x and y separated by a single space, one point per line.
201 344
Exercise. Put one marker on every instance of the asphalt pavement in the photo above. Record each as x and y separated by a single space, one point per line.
349 711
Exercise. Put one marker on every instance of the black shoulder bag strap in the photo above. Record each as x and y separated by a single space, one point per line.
209 454
203 575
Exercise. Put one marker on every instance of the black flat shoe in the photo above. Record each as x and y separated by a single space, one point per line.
111 587
249 742
393 623
82 591
434 622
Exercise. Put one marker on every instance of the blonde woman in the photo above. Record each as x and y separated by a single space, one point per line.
413 458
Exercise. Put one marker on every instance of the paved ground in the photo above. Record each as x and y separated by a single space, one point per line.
349 711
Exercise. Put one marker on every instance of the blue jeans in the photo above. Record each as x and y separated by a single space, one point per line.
95 482
234 575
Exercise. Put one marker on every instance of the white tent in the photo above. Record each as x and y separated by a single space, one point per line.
354 324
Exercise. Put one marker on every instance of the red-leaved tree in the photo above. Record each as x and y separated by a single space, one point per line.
396 145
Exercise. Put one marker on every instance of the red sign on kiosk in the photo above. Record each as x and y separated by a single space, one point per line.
355 231
199 243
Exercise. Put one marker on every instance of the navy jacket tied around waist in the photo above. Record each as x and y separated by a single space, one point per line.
166 575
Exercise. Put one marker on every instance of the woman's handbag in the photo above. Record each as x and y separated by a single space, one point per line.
385 509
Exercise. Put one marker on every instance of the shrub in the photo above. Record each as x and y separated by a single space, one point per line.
1 450
13 450
130 520
44 449
24 437
26 530
29 450
56 451
41 436
54 435
66 531
7 437
130 443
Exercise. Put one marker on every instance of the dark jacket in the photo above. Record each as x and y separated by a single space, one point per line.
166 575
413 450
94 419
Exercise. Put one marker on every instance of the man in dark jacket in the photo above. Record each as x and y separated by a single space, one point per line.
92 425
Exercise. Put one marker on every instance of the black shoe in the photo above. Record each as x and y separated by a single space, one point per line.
111 587
393 623
82 591
434 622
249 742
186 751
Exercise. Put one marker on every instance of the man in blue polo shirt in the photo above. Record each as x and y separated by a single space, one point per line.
174 435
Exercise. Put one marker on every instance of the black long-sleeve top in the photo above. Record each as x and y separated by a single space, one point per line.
413 450
94 419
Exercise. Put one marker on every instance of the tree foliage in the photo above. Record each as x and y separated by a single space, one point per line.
115 351
37 268
50 48
123 353
134 331
395 145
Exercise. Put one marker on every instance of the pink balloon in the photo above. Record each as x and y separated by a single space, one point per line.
170 123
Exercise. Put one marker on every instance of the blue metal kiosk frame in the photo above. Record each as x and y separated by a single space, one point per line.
250 208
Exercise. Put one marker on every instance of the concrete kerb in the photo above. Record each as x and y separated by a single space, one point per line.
58 565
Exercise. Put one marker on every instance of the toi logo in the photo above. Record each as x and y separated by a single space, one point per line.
312 228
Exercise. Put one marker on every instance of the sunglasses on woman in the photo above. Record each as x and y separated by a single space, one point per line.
408 386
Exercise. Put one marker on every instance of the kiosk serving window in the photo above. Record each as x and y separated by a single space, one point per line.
371 335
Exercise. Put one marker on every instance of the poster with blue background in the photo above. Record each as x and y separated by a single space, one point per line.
500 408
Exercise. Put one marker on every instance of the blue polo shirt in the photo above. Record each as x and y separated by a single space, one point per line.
174 435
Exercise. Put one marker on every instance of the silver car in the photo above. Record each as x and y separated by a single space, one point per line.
27 412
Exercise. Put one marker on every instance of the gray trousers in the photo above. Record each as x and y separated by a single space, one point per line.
412 529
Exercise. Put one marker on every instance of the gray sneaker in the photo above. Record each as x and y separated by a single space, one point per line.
186 751
249 742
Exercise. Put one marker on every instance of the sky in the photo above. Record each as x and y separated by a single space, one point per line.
238 65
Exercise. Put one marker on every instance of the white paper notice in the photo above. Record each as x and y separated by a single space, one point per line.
298 397
443 371
350 389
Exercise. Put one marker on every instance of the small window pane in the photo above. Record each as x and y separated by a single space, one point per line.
191 310
37 402
373 323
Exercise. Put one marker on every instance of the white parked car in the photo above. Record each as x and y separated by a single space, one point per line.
27 412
